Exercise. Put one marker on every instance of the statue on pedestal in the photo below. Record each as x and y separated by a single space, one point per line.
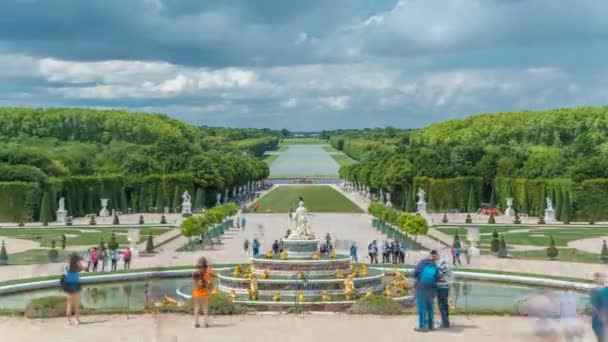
510 212
549 212
61 212
302 230
104 208
186 203
421 204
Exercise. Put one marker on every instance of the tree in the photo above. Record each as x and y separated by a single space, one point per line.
46 215
412 224
53 253
176 199
190 227
456 243
604 254
160 199
552 251
471 205
567 209
502 250
150 244
63 241
495 246
3 255
102 245
113 244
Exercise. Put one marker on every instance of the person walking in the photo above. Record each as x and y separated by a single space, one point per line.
70 283
126 258
113 260
353 253
94 259
387 251
104 259
444 279
243 223
201 283
457 253
256 247
425 275
246 246
599 309
275 247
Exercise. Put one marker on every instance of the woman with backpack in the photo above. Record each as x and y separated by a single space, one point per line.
201 278
70 283
425 275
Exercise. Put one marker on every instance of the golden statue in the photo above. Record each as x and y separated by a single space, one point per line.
370 292
363 271
387 292
353 270
316 255
301 298
277 296
214 291
283 255
339 274
301 276
332 253
349 287
325 296
253 288
265 275
270 254
399 283
232 295
250 268
237 271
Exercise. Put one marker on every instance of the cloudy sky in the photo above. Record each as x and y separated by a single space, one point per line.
305 65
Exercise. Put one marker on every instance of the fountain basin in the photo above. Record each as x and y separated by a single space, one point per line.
289 267
300 249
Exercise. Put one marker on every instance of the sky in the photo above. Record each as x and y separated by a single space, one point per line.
305 64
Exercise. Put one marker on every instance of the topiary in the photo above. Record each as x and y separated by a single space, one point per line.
495 246
468 219
53 253
502 250
47 307
116 220
63 241
375 305
3 255
113 244
445 218
92 221
552 251
541 220
491 219
604 254
163 219
456 243
141 219
150 244
517 220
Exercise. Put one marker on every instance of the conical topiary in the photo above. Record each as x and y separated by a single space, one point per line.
604 254
552 251
3 255
116 220
491 219
113 244
468 219
445 218
63 241
45 209
502 250
495 246
163 219
456 243
92 221
141 219
150 244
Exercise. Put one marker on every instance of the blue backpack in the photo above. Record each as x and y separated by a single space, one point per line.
428 276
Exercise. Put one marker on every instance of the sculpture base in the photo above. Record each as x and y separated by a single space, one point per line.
300 249
549 215
61 215
510 212
104 213
421 208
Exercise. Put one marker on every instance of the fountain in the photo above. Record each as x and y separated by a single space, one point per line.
300 275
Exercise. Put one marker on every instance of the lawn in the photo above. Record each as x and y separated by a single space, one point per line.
330 149
36 256
317 198
269 158
565 254
343 159
303 141
76 237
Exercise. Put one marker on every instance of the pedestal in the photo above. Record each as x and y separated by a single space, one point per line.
510 212
61 215
186 209
421 208
549 215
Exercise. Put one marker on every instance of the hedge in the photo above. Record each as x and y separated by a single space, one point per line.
18 201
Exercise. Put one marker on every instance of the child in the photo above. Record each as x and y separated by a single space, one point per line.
114 259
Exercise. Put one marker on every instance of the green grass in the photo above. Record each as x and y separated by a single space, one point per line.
318 198
343 159
280 176
303 141
36 256
46 235
483 230
565 254
269 158
330 149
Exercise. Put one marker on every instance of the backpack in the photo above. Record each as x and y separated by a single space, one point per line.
428 276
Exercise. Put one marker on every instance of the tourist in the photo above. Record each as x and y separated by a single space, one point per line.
370 252
457 252
94 259
87 257
113 259
243 223
104 259
255 247
126 258
599 309
569 317
353 253
328 240
201 279
387 251
257 208
275 247
70 283
246 246
425 275
375 251
444 278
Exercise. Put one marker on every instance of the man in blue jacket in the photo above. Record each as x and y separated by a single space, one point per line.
425 275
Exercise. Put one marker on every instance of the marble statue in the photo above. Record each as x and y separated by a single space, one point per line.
421 193
388 200
510 212
421 204
302 230
186 203
104 208
549 212
549 204
61 212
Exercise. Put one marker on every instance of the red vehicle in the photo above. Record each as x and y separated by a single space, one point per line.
486 209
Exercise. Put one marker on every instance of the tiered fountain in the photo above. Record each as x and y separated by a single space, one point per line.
301 276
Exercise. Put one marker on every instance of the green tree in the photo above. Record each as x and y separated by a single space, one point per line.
113 244
46 215
150 244
190 227
552 251
160 199
176 200
567 209
495 246
471 202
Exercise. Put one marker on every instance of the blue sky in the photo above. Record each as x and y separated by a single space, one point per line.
305 65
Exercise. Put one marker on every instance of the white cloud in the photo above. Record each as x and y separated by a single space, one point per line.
335 102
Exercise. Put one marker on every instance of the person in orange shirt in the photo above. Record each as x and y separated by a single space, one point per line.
201 283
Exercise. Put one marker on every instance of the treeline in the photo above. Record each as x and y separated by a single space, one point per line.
561 154
52 152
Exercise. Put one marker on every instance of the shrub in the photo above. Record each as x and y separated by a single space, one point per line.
456 243
113 244
141 219
604 254
163 219
495 246
53 253
46 307
375 305
502 250
468 219
63 241
116 220
552 251
491 219
445 218
150 244
3 255
221 304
